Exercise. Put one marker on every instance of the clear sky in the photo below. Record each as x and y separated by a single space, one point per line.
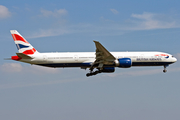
138 93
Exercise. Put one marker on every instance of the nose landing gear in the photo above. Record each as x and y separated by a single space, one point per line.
165 68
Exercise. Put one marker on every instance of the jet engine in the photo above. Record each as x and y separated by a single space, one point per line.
123 62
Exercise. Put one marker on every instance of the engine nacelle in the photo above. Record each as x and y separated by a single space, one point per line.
123 62
108 69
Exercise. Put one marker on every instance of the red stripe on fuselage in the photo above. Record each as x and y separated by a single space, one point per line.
18 38
30 52
161 55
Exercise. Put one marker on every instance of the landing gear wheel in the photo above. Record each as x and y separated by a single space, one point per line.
164 71
93 73
88 74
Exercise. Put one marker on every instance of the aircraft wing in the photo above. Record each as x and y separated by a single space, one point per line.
103 56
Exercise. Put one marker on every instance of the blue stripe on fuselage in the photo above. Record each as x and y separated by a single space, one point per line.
150 63
89 64
66 64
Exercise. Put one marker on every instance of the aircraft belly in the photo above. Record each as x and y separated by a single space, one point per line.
66 64
150 63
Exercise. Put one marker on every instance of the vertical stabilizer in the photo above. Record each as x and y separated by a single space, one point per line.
22 44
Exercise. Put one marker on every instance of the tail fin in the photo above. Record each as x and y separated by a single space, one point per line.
22 45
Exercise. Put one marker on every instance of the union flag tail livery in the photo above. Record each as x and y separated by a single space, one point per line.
22 45
101 61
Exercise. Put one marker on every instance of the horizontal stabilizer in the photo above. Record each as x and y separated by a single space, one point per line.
23 56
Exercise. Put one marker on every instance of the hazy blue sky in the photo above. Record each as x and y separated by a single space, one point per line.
139 93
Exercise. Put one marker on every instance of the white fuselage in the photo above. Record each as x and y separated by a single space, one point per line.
85 59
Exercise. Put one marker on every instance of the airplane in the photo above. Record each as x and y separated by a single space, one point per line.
101 60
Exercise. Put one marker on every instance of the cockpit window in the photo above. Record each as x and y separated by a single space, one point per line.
172 56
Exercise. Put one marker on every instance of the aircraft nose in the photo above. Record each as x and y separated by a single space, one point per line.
174 60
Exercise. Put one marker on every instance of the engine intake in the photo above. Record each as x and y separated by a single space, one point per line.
123 63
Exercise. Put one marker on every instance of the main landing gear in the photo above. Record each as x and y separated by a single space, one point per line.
165 68
93 73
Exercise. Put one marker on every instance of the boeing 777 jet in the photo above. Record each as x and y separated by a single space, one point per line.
101 61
